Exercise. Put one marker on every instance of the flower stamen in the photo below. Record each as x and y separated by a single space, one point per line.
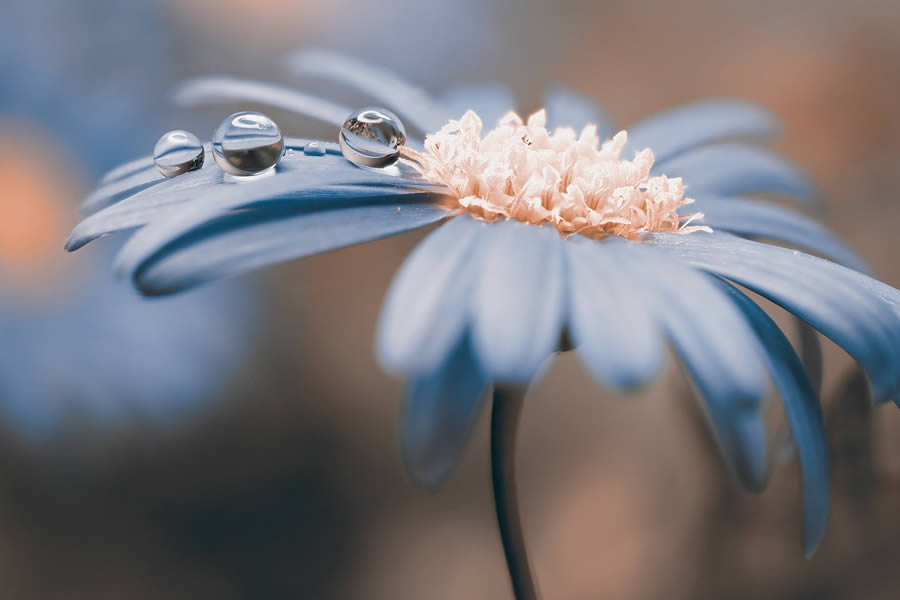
522 171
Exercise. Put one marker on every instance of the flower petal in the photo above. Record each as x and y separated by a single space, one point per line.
567 108
861 314
804 415
518 301
128 168
426 310
675 131
241 242
760 219
201 91
411 102
295 174
441 410
718 349
609 321
490 100
734 170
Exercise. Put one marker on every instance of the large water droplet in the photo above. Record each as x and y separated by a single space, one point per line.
372 137
178 152
247 143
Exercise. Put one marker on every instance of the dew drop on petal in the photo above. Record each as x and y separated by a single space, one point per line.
314 149
247 143
178 152
372 137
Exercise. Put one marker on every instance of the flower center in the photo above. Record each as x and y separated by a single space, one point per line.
522 171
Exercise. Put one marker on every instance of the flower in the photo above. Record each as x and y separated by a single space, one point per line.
487 299
77 343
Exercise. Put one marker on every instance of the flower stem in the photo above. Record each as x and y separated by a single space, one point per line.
507 408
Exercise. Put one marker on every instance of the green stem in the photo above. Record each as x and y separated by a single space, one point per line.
507 408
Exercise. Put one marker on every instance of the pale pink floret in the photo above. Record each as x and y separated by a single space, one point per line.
521 171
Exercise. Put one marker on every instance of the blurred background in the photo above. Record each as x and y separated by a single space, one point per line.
254 454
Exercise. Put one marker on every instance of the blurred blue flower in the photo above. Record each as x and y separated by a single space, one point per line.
479 303
77 344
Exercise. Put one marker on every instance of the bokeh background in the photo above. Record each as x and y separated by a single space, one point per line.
285 481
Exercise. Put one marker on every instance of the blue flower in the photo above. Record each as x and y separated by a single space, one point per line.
481 303
77 343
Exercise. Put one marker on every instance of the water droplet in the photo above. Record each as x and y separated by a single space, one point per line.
289 153
314 149
372 137
178 152
247 143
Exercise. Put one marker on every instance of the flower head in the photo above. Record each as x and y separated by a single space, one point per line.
487 300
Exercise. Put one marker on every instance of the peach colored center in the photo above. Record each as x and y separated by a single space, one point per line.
522 171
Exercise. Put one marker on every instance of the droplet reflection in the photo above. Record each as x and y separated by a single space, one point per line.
178 152
372 137
247 143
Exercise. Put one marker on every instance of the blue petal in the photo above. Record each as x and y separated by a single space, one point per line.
609 320
201 91
567 108
407 100
803 413
718 349
734 170
490 100
759 219
126 169
681 129
242 242
859 313
427 308
441 410
112 190
295 174
517 304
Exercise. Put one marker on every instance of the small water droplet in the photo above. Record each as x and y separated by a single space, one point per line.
372 137
178 152
289 153
247 143
314 149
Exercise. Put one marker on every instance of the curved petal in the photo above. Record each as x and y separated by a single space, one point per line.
128 168
241 242
735 170
490 100
675 131
567 108
441 410
426 310
810 351
201 91
517 304
804 415
609 320
111 191
760 219
417 106
860 314
716 346
294 175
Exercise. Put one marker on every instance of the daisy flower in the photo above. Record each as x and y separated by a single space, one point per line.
558 231
77 343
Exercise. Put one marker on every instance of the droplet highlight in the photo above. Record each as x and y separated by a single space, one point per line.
247 143
372 137
314 149
178 152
